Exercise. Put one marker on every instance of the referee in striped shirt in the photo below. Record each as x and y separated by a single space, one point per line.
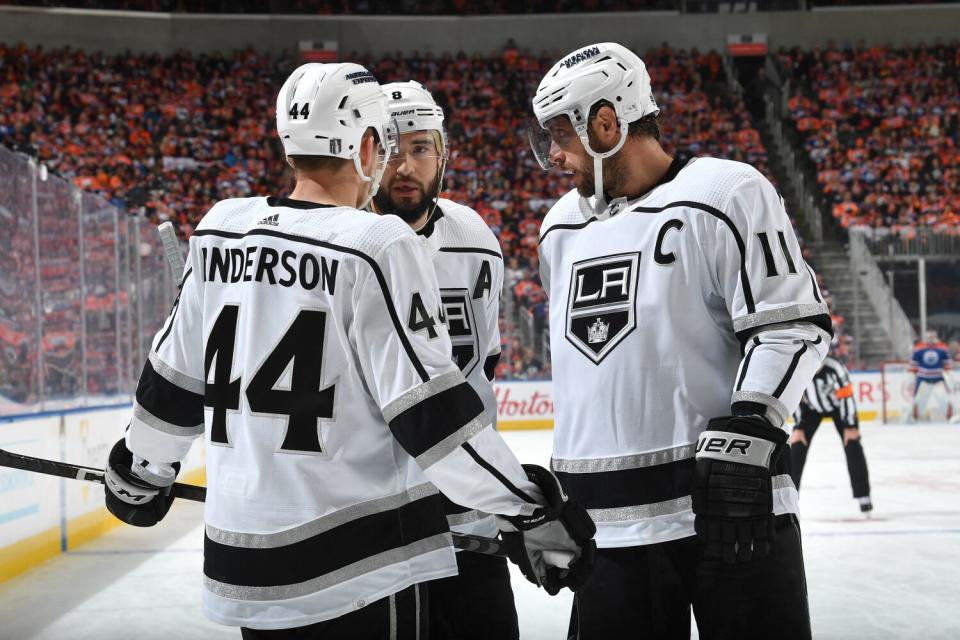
831 394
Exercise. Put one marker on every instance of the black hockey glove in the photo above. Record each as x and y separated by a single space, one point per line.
129 495
554 546
732 487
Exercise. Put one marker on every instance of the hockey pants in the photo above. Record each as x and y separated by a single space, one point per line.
477 604
401 616
647 592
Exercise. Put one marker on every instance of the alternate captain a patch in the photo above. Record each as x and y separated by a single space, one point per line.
601 304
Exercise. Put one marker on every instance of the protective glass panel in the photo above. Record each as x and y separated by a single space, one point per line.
60 285
101 302
153 284
19 327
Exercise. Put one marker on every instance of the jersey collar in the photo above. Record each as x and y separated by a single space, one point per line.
431 233
427 230
290 203
620 204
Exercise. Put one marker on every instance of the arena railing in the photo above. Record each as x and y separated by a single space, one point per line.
911 243
893 320
84 287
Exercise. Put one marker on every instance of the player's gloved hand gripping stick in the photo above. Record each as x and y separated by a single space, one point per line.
733 489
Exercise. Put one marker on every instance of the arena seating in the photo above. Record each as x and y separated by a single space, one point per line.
166 137
882 127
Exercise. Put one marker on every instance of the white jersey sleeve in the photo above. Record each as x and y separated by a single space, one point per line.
773 300
168 407
433 412
491 318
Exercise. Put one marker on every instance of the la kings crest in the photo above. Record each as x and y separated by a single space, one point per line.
601 303
461 325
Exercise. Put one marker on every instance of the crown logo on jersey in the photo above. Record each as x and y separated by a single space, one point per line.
273 221
598 331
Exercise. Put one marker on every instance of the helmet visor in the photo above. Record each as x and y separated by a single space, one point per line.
540 141
555 131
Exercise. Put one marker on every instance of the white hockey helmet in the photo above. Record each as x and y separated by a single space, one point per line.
413 108
600 72
325 109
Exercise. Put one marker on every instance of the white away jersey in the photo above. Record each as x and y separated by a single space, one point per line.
692 297
305 347
469 267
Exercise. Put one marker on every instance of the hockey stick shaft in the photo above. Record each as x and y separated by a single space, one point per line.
466 542
171 247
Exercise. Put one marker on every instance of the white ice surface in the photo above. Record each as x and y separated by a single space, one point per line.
896 575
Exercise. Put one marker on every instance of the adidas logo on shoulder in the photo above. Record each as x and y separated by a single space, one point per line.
272 221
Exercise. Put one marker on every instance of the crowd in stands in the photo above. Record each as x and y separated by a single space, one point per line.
165 137
882 127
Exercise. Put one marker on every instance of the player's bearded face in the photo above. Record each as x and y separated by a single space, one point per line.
411 182
571 157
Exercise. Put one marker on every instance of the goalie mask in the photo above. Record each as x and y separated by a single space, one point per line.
414 110
606 72
325 110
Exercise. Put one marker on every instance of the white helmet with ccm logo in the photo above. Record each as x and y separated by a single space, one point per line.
324 110
606 71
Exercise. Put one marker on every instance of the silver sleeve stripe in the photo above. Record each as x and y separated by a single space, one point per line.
142 415
421 392
777 316
782 481
460 519
668 507
321 525
174 377
451 443
357 569
619 463
773 404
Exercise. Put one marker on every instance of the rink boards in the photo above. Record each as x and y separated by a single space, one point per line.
41 516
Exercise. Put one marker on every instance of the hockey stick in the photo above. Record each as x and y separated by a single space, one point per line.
466 542
171 248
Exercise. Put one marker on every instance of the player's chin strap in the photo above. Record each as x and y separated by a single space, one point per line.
374 180
600 208
440 141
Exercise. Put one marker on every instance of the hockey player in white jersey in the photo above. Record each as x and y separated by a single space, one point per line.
330 417
684 327
478 603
